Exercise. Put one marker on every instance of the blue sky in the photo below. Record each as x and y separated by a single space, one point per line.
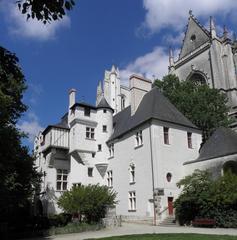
132 34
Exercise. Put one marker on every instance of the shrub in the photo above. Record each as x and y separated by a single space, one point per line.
88 201
204 197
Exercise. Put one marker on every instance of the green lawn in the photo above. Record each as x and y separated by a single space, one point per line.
175 236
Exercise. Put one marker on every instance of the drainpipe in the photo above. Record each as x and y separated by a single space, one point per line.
152 174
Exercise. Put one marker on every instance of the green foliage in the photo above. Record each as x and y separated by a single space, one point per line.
205 197
12 86
18 177
45 10
204 106
90 201
74 228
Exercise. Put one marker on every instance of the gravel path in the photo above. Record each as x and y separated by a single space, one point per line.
130 228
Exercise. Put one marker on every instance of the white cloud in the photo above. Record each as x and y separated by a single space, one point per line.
19 26
174 39
161 14
35 90
151 65
31 126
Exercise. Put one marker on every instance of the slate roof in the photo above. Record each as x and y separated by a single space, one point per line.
104 104
83 104
223 142
153 106
62 124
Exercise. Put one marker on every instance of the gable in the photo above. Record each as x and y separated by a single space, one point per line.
195 36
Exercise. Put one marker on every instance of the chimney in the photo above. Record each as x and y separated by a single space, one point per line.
139 86
72 97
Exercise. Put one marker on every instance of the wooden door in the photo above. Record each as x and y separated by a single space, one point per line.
170 205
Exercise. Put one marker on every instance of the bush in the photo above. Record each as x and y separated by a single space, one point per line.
204 197
88 201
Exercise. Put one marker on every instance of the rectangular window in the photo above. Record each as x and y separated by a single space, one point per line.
99 148
110 178
90 172
105 111
62 180
166 135
139 139
132 201
87 111
189 137
111 150
90 133
132 173
93 155
104 128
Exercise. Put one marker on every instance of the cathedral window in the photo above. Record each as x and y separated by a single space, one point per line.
138 139
132 173
62 179
166 135
90 133
110 178
99 148
132 201
104 128
189 138
87 112
111 150
90 172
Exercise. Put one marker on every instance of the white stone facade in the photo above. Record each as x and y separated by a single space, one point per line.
133 139
82 149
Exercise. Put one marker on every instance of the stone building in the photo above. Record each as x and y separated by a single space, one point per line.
208 58
134 140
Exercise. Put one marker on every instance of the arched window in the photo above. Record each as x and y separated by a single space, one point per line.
132 173
197 78
168 177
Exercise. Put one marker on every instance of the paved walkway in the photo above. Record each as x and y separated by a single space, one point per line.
130 228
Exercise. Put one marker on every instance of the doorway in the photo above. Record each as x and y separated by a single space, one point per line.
170 205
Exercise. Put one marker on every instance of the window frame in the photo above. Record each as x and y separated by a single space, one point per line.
90 171
190 140
132 174
61 180
104 128
87 112
138 139
132 202
111 150
90 133
110 178
99 146
166 135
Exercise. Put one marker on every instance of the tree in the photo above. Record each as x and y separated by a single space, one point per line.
91 201
204 106
45 10
18 177
205 197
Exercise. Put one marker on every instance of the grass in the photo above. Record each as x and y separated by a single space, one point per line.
173 236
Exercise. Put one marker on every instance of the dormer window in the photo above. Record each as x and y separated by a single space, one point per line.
87 112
